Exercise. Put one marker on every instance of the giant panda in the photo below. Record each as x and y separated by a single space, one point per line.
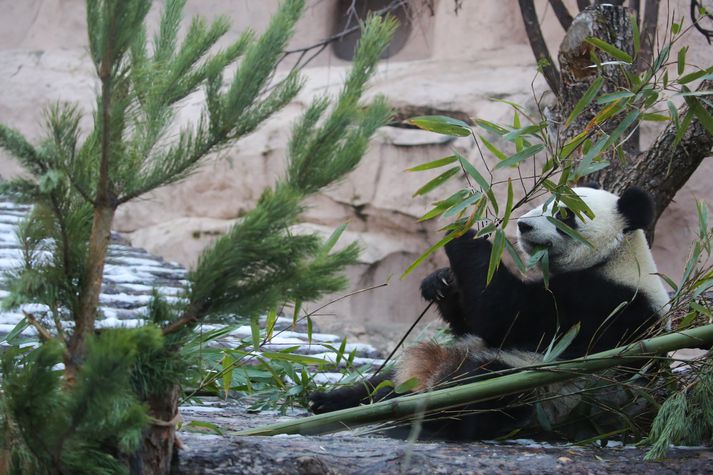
610 288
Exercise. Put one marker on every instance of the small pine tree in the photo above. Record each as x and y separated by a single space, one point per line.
88 418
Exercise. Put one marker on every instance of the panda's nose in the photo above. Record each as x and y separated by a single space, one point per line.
523 227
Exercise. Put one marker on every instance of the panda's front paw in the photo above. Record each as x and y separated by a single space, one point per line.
437 285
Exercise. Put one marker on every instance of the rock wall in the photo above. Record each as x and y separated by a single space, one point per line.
468 54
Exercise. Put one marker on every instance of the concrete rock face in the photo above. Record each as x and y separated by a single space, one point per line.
455 62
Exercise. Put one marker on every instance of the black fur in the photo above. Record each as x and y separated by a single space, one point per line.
512 314
637 207
483 420
352 396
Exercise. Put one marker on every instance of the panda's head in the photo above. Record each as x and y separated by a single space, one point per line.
614 218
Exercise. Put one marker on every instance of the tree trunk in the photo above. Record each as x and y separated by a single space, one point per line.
91 289
157 455
608 23
663 169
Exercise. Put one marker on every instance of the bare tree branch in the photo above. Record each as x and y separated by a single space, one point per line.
664 168
648 34
322 44
582 4
539 47
561 13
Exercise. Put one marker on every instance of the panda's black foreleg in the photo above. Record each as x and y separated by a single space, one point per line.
352 396
488 310
440 287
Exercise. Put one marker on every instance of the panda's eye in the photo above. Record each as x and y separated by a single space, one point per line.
567 217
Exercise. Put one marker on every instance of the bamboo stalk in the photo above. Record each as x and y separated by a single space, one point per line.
485 390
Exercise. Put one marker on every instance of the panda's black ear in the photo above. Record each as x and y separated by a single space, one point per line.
637 207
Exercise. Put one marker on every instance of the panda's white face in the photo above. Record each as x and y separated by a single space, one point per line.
605 232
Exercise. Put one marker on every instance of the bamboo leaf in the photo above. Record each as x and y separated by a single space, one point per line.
696 93
669 281
441 124
681 60
585 100
690 77
272 319
387 383
614 96
508 205
206 425
636 35
493 149
480 179
524 154
496 254
462 205
674 114
572 144
448 238
434 164
569 231
340 351
515 256
532 130
293 358
653 117
228 365
407 386
255 332
611 50
331 241
683 127
701 309
702 212
701 113
492 127
553 353
591 154
623 125
16 331
436 182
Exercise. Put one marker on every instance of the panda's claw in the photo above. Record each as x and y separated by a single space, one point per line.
438 285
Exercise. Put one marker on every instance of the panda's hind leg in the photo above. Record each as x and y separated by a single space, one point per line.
352 396
438 367
481 420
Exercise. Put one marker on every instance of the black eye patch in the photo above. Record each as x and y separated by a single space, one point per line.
567 217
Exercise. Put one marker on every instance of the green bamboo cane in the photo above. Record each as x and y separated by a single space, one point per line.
484 390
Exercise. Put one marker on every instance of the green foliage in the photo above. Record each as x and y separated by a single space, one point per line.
564 163
258 263
551 166
686 418
77 181
71 429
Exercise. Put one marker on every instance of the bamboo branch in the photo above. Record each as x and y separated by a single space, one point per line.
485 390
